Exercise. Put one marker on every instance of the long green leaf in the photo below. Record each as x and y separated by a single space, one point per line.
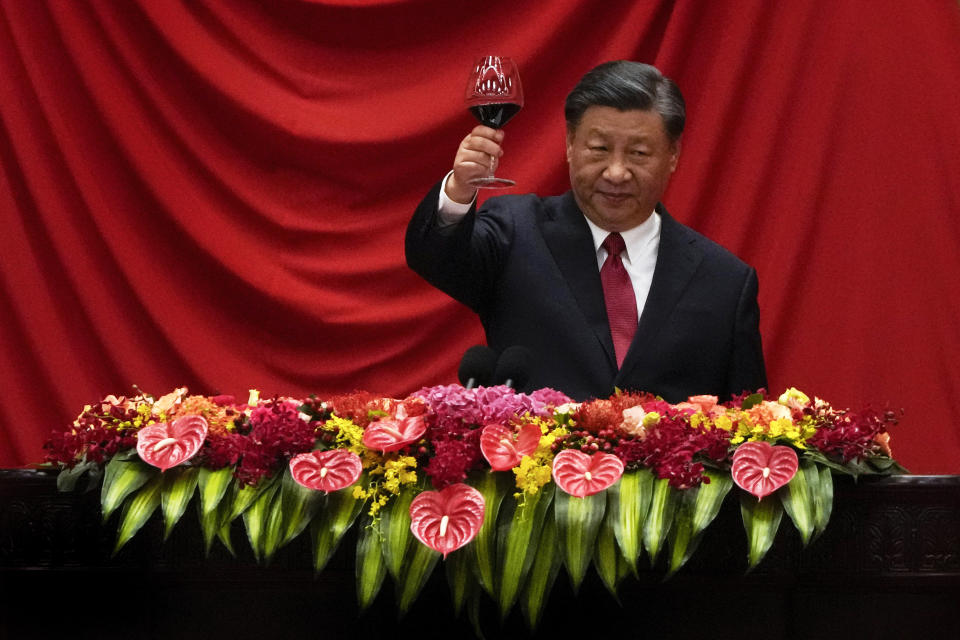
395 527
798 499
242 496
255 516
420 562
213 486
578 520
543 573
761 519
138 510
273 525
823 500
298 504
659 519
461 573
179 485
628 502
517 536
370 565
338 511
494 486
608 559
698 508
121 478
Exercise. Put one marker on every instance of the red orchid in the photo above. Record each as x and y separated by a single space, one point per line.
390 434
447 520
581 475
761 468
166 445
326 470
504 447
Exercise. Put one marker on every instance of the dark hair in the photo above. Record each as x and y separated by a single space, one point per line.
625 85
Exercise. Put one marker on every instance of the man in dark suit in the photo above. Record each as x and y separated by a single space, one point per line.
601 285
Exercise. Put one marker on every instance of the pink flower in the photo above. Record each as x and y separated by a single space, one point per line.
633 421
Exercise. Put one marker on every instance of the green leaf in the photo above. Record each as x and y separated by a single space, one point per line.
67 478
628 503
244 495
138 510
121 478
518 532
543 573
609 561
370 566
761 519
578 521
273 525
798 499
298 504
698 508
338 511
751 401
822 500
659 519
494 486
213 486
420 563
461 574
256 515
178 487
395 527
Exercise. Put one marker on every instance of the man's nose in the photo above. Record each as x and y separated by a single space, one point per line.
616 170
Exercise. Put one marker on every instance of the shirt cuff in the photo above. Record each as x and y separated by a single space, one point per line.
450 212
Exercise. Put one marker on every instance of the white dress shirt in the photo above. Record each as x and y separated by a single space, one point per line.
639 258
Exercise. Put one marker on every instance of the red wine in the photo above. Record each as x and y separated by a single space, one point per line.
494 115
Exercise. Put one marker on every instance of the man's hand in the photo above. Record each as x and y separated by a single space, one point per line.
477 157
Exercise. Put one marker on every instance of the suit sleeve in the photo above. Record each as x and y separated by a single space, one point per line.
747 369
462 259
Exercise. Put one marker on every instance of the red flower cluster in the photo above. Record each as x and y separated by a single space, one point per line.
849 435
98 433
671 447
276 433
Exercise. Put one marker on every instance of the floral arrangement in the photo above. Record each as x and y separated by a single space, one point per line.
491 480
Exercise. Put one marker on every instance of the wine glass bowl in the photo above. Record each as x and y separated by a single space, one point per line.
494 95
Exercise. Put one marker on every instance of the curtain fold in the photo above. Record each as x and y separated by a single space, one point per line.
215 193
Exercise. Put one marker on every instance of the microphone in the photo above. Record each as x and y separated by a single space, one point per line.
513 367
476 366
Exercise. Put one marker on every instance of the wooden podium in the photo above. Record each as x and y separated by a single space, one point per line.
888 566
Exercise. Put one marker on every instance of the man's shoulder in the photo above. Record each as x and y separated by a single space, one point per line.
711 250
529 207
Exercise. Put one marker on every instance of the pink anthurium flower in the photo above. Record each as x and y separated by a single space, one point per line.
446 520
166 445
326 470
581 475
760 468
504 448
391 434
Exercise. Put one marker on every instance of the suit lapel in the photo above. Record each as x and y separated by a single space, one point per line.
677 260
571 244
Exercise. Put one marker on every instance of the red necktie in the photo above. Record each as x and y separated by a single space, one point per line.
618 293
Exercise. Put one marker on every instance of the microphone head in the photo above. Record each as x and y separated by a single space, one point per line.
513 367
476 366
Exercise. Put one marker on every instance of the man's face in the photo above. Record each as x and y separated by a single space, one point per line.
620 164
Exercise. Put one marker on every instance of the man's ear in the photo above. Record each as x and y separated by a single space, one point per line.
674 156
569 145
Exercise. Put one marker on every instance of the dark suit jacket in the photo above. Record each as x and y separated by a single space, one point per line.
528 267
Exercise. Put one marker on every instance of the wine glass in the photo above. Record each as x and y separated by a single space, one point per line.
493 96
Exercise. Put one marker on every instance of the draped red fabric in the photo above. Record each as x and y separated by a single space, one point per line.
214 193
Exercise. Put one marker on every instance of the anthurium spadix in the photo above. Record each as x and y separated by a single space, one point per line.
761 468
447 520
326 470
166 445
581 474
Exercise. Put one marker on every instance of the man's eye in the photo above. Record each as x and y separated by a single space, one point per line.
597 147
639 152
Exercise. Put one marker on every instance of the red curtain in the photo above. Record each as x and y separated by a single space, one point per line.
214 193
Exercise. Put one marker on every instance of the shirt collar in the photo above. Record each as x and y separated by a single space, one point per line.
635 238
